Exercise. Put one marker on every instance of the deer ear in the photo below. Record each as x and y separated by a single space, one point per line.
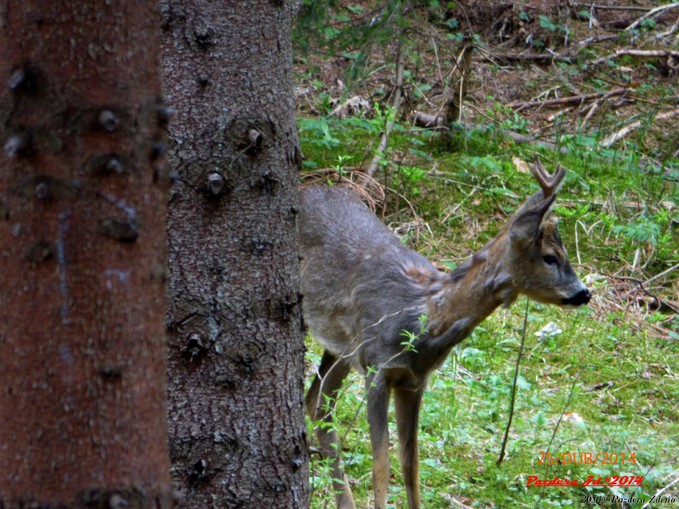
526 225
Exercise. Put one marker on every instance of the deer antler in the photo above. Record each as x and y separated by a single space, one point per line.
549 183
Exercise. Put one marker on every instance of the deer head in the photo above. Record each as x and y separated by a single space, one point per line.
536 258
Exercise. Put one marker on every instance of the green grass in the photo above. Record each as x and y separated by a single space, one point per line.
609 378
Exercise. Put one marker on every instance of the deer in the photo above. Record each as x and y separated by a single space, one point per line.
364 291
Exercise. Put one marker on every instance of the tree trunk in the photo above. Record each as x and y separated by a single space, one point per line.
82 241
236 419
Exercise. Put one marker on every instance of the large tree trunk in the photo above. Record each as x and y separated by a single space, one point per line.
82 241
237 436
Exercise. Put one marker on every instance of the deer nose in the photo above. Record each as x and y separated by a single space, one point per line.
579 299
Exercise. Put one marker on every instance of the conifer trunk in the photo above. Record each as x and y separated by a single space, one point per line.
82 241
237 435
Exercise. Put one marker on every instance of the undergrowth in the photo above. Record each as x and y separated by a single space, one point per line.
600 380
597 380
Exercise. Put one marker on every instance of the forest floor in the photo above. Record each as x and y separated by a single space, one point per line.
593 87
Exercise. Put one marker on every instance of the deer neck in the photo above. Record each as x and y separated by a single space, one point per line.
475 289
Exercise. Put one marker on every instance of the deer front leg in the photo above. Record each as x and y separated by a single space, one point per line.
407 404
327 383
378 408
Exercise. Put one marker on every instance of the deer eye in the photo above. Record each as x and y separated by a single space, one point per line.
550 260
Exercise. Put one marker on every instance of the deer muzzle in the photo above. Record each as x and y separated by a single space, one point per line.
579 299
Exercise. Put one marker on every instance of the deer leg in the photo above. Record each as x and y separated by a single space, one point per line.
378 408
327 383
407 405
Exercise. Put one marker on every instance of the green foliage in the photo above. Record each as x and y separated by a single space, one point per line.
618 218
411 337
613 215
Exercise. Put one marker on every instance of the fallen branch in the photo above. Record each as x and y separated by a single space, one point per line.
641 53
612 7
575 99
670 31
428 121
528 57
651 13
635 125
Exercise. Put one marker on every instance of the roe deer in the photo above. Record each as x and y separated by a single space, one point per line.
363 288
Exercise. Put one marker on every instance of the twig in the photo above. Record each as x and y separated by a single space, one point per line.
575 99
610 140
612 7
457 207
463 63
396 104
652 13
558 423
528 57
513 395
661 491
592 110
596 40
663 273
670 31
640 285
641 53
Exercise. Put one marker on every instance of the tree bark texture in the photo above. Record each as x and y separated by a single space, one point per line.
236 418
82 242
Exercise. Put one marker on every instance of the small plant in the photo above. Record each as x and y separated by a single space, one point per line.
516 123
316 131
411 337
407 178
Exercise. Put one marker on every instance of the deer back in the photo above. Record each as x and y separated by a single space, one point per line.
362 287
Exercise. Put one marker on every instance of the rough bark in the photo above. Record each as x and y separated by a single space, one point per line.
82 241
236 419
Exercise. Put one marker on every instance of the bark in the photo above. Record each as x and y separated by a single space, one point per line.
236 420
82 350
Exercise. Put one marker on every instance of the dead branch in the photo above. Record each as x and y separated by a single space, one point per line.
670 31
652 13
511 58
610 140
428 121
660 492
612 7
596 40
396 104
575 99
463 63
637 53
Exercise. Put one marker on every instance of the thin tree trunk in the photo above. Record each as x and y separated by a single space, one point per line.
237 435
82 350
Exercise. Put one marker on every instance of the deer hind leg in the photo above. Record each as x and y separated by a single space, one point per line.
378 408
326 385
407 405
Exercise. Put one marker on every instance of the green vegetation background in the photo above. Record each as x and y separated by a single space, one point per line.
604 379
